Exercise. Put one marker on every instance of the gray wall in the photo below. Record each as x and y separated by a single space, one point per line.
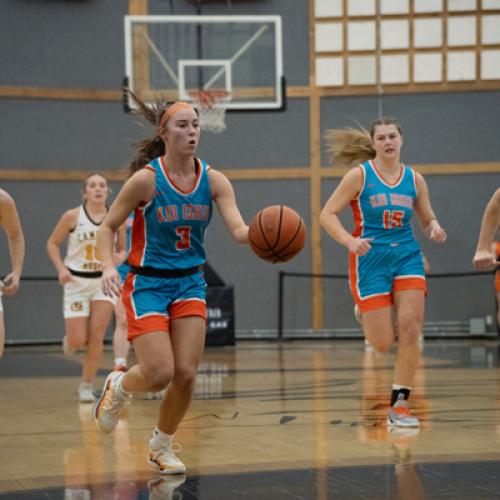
455 127
79 44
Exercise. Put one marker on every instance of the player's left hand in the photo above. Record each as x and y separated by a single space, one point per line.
435 232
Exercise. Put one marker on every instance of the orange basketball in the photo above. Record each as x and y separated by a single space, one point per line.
277 233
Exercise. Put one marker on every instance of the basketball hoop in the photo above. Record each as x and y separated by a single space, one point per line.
211 113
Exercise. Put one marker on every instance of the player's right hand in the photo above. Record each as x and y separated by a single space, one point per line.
65 276
11 283
359 246
111 283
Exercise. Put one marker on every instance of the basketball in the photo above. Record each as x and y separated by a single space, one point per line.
277 233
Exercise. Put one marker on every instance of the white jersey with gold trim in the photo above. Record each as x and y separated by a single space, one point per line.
82 245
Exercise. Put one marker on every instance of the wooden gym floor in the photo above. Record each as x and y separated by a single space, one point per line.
293 420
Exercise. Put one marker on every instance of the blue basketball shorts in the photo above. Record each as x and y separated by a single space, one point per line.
152 302
385 269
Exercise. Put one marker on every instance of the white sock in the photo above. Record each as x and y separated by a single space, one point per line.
162 437
397 387
120 362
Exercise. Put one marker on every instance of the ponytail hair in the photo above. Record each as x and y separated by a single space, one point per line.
350 146
147 149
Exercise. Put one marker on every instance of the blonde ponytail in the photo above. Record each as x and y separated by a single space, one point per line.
349 146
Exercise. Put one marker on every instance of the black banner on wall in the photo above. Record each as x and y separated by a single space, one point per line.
220 316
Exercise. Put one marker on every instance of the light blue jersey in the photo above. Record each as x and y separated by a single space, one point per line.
383 211
169 231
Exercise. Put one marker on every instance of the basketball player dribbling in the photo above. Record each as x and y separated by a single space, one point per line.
87 310
11 224
386 266
171 192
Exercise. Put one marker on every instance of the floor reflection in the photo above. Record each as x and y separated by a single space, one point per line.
408 479
272 421
86 462
210 380
81 461
166 488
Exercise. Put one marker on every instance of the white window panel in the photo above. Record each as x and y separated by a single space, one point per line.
328 37
394 69
461 5
394 34
461 30
361 7
490 65
394 7
490 30
491 4
428 6
361 35
461 66
329 71
428 32
328 8
427 68
362 70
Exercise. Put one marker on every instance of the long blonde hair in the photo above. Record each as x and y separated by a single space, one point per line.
350 146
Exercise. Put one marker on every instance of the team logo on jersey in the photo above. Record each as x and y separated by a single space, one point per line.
401 200
378 200
76 306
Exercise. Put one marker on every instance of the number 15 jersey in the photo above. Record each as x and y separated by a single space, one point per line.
383 211
169 231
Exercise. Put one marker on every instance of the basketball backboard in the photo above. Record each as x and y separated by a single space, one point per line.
238 59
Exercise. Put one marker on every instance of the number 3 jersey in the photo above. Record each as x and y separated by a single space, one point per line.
81 254
169 231
383 211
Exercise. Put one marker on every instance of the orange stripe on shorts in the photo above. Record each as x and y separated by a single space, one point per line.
190 307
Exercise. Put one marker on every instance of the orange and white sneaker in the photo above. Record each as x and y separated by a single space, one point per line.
399 416
109 406
162 457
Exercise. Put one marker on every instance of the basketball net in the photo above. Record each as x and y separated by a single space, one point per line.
211 114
